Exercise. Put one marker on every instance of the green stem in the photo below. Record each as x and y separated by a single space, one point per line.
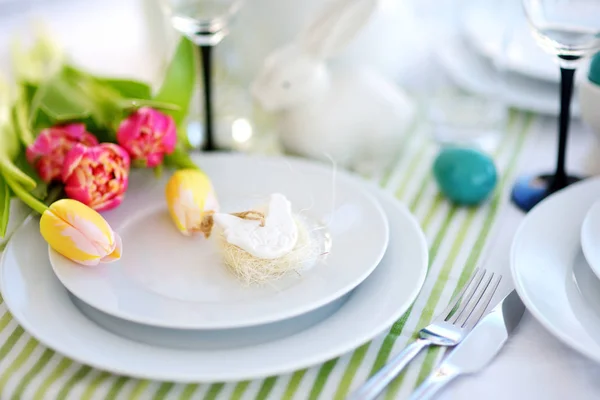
158 170
20 113
25 196
10 169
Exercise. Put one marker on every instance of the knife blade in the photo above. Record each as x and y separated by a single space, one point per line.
478 349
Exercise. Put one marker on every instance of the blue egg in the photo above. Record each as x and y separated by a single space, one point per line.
594 71
465 176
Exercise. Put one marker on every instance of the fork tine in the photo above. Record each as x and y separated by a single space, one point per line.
470 306
476 315
456 299
467 298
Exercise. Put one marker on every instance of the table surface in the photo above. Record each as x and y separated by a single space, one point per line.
533 364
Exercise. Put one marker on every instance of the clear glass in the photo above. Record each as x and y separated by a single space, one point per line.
205 23
464 93
567 28
570 31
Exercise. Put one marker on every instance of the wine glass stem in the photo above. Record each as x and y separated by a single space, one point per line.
566 91
206 56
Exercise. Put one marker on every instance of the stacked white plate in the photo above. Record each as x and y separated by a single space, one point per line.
555 264
170 310
493 51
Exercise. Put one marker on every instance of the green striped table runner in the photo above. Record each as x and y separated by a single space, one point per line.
456 237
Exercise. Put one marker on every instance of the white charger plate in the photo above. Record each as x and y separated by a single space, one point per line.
590 237
550 272
39 302
168 280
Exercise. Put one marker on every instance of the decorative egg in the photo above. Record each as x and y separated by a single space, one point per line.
465 176
589 96
594 71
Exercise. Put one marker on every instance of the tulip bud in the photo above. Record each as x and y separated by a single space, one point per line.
192 201
147 135
48 151
79 233
96 176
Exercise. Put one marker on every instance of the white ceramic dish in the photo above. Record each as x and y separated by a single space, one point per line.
474 73
37 300
550 271
168 280
590 237
209 339
484 25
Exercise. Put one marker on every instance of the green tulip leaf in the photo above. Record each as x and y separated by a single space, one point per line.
10 170
9 142
4 207
41 188
20 118
138 103
25 196
128 88
179 159
60 100
178 84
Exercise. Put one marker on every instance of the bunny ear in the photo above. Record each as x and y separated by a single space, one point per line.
335 26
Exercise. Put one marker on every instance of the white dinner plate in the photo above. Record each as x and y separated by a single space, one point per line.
475 73
590 237
169 280
38 301
550 272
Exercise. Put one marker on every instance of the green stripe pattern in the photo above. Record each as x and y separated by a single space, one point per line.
456 236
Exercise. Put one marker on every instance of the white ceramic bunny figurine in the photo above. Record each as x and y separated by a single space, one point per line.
353 115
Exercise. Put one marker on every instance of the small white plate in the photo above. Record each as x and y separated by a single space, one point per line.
500 32
484 26
474 73
590 237
38 301
550 272
168 280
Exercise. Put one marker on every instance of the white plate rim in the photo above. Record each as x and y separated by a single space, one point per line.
348 178
514 93
522 290
593 215
335 350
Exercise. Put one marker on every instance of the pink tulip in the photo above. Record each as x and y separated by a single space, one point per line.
47 153
96 176
147 135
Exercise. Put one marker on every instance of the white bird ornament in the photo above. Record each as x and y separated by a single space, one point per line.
270 236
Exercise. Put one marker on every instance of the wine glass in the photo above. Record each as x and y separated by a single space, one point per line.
570 31
205 23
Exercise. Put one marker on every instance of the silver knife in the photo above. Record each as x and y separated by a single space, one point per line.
478 348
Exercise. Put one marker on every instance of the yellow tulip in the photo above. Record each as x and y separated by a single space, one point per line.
79 233
192 201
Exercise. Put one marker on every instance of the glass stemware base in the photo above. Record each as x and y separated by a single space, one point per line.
528 191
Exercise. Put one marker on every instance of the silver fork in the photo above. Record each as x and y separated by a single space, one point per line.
448 329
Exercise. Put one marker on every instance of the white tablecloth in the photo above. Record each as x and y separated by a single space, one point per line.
533 364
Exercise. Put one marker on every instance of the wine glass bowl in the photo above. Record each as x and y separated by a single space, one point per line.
565 28
570 31
203 21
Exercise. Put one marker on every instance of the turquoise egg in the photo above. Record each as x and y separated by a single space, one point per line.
594 71
465 176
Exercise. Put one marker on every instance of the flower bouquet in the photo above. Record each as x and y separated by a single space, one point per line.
68 139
